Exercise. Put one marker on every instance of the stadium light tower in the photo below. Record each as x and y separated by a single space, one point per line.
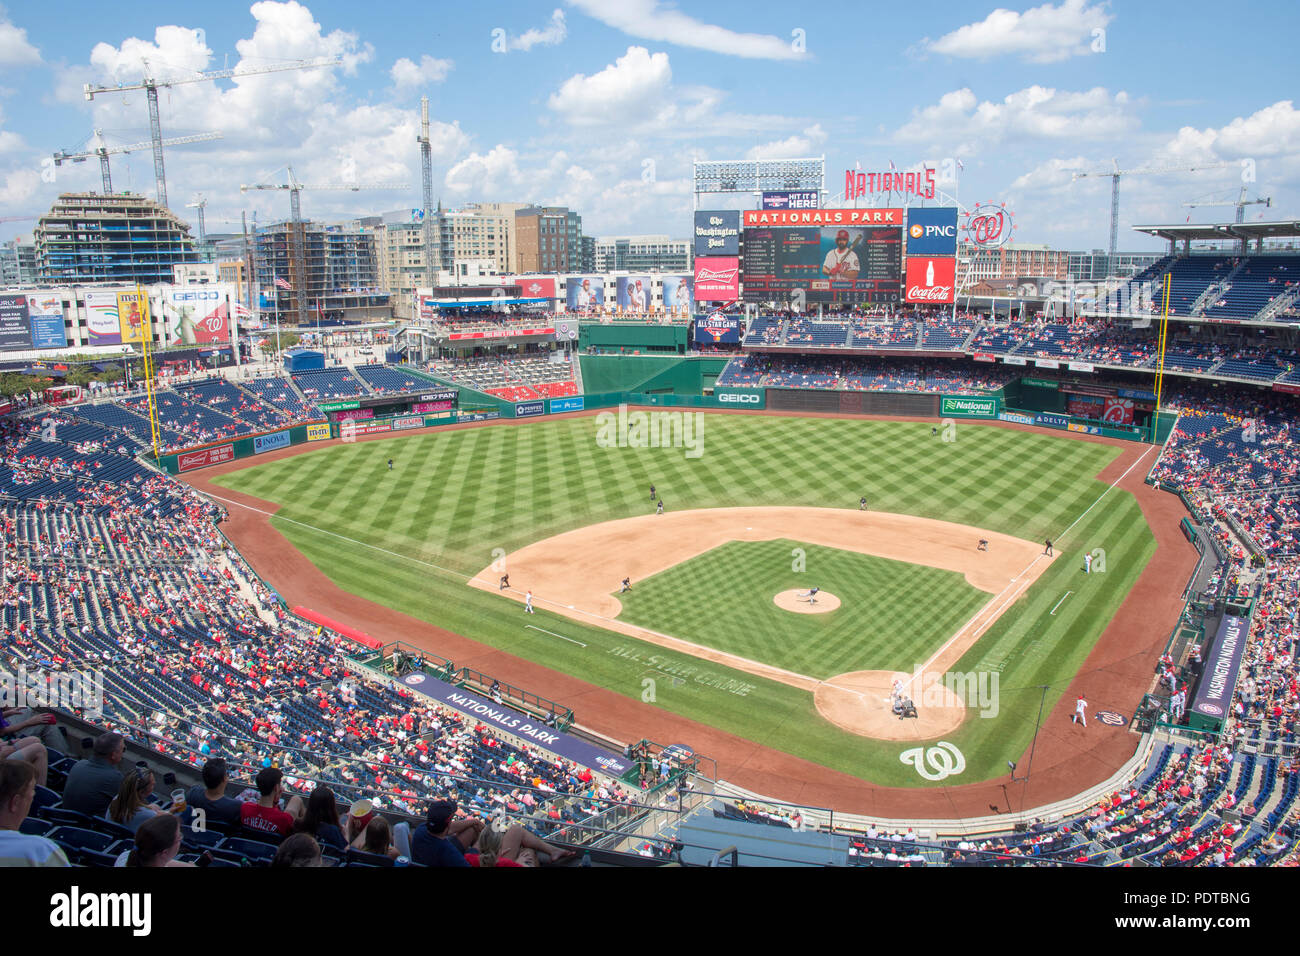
1115 173
757 175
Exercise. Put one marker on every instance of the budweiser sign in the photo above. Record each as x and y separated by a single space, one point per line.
931 279
717 278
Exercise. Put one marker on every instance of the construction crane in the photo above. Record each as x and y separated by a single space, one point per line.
1241 202
1115 173
200 203
298 267
103 151
150 85
426 174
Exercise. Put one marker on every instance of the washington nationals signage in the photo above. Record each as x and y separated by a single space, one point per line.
919 183
989 225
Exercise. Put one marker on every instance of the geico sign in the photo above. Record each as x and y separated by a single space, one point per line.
738 398
209 296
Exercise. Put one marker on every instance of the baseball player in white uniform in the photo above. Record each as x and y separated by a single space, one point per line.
1081 711
682 298
528 603
585 297
636 297
1087 562
841 262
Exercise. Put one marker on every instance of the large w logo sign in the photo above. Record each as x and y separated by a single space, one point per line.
943 758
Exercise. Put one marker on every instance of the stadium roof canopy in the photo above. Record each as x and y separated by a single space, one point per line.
1248 231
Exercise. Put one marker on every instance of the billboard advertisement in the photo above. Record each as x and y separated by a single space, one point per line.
931 279
270 442
850 264
1118 411
717 232
585 292
633 293
678 298
536 287
525 409
15 329
204 457
133 315
716 329
196 316
574 403
792 199
932 232
958 406
717 278
102 323
45 310
318 432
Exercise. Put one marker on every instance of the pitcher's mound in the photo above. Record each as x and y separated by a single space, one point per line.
859 702
798 602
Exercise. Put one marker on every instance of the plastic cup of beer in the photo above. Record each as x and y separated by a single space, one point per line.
178 800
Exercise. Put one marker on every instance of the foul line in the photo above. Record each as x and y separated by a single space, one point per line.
553 634
1060 602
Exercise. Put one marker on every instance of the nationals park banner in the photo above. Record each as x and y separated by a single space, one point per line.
520 725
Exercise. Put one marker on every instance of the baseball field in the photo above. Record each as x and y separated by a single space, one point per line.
769 506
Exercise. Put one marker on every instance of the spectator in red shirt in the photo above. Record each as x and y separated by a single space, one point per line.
264 815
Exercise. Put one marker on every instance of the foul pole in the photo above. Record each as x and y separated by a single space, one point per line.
1160 364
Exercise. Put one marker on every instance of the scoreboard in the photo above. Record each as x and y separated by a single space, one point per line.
840 256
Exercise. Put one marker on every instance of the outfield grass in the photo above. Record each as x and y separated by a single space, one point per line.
410 538
723 599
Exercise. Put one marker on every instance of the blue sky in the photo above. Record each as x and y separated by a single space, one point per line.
602 106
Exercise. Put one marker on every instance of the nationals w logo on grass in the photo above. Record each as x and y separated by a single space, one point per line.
943 758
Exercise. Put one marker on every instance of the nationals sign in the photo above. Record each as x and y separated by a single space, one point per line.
990 225
931 279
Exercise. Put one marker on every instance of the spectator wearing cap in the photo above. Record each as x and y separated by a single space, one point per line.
264 815
17 790
444 839
93 783
210 796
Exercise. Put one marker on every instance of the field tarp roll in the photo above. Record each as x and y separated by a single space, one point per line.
350 633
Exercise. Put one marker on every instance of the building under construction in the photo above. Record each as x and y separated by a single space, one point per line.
340 280
87 238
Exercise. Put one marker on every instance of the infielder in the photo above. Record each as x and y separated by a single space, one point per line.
1047 550
841 262
627 585
1080 711
528 603
660 508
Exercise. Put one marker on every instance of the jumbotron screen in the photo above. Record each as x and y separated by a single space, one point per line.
847 256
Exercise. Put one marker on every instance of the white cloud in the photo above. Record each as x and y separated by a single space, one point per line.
801 144
648 20
14 48
1045 34
20 185
406 73
635 82
496 171
960 122
549 35
1273 131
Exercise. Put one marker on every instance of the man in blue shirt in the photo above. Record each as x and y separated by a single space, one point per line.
443 840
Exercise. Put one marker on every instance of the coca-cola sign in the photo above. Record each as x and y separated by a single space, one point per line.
990 225
931 279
